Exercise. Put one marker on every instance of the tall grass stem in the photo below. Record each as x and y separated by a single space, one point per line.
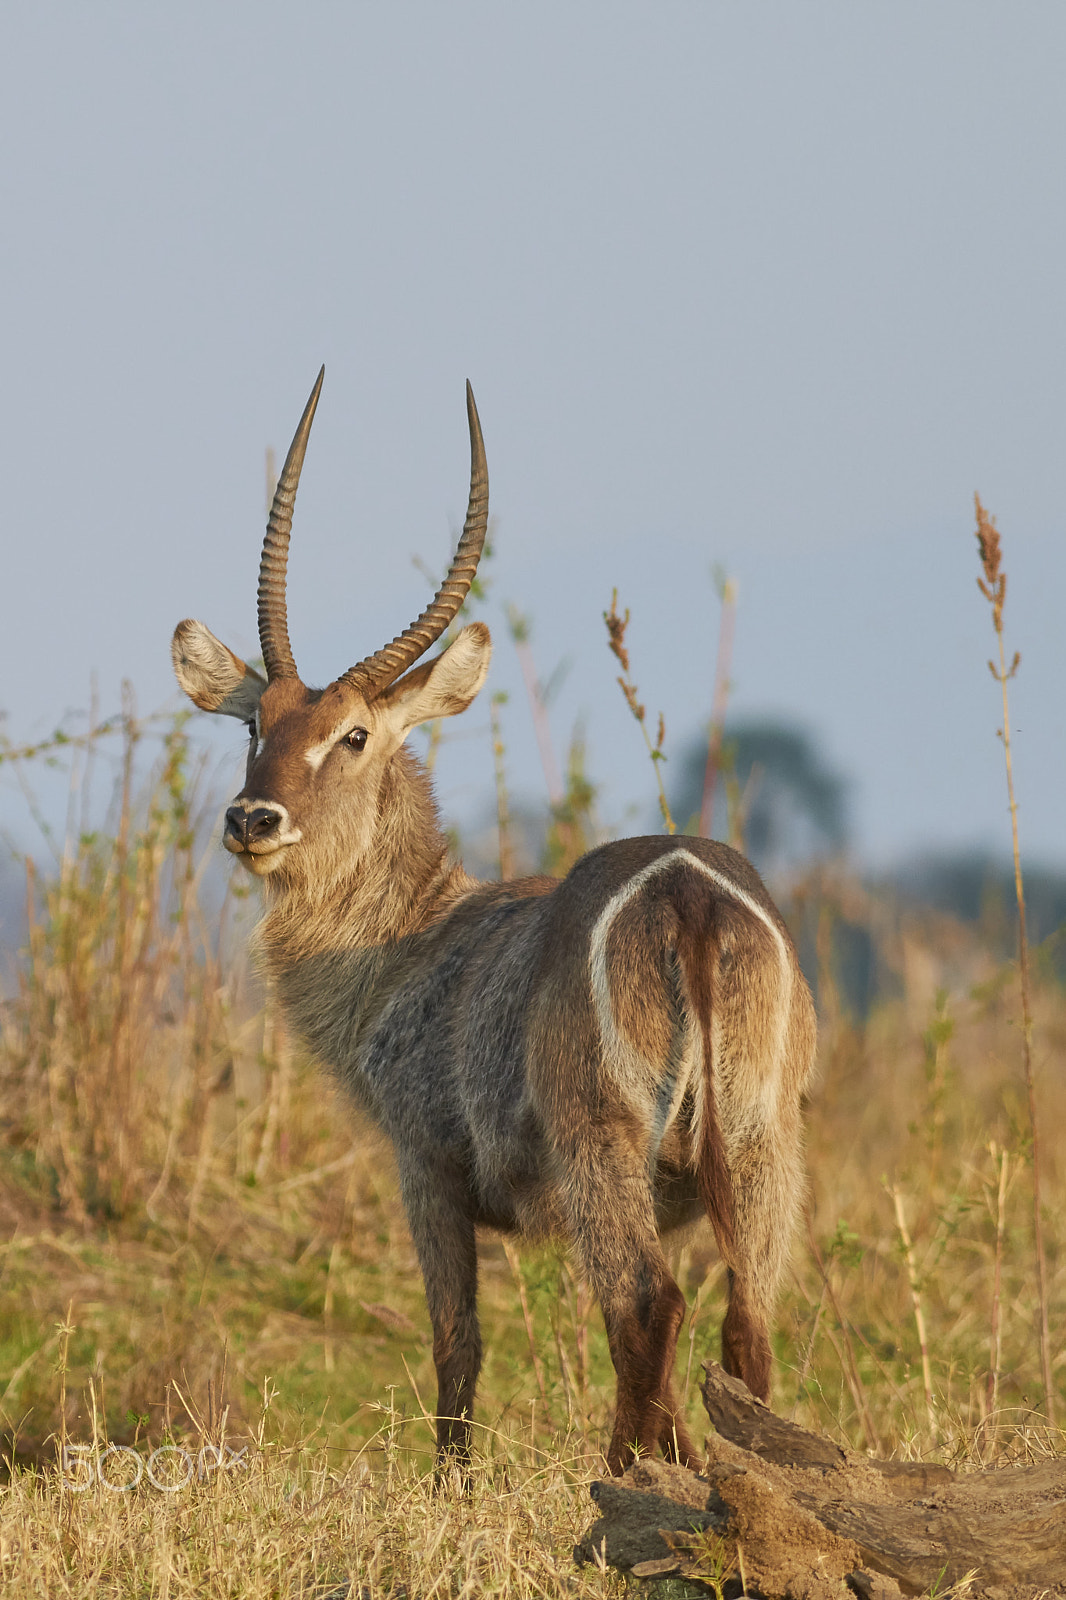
916 1302
1001 1162
719 700
616 634
994 588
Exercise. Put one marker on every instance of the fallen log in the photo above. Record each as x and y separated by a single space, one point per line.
788 1515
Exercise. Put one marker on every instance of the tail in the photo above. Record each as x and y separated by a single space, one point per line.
697 944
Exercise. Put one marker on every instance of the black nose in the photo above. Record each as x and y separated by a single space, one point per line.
250 826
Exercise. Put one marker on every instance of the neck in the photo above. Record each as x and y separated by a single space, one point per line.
400 883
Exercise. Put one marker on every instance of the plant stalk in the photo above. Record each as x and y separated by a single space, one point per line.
994 588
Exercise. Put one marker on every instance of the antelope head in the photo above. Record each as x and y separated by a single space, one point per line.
318 758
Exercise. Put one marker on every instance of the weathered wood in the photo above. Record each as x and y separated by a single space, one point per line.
805 1520
743 1420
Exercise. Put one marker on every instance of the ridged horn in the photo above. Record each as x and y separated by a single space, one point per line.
376 672
273 612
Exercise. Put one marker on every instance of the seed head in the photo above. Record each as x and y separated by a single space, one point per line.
994 583
616 631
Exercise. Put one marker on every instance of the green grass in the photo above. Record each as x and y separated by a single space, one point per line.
228 1252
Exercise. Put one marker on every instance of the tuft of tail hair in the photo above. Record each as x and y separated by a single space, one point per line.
696 944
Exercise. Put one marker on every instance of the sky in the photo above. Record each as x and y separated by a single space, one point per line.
769 288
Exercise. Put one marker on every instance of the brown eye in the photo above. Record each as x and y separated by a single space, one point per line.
356 740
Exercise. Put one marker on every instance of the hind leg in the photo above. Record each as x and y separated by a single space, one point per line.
643 1316
675 1441
613 1223
767 1182
746 1339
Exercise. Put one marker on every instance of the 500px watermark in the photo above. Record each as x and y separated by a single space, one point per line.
120 1468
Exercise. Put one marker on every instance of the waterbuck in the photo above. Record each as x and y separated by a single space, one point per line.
601 1058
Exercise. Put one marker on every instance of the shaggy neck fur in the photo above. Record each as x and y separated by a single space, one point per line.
399 883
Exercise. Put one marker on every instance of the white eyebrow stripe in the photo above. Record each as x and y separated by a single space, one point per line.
315 754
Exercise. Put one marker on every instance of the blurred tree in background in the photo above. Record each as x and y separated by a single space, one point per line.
778 797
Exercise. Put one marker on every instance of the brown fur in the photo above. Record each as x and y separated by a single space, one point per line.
696 940
601 1059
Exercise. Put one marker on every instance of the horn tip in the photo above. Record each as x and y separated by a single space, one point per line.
471 412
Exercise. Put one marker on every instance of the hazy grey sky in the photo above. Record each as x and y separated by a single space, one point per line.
773 286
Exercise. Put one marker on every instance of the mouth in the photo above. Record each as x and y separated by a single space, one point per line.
259 863
259 859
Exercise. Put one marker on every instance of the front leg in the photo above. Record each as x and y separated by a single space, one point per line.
439 1212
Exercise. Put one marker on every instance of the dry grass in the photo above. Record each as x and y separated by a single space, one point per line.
289 1524
203 1252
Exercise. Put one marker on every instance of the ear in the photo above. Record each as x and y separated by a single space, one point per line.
443 686
211 675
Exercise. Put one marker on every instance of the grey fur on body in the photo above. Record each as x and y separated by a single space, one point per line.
598 1059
